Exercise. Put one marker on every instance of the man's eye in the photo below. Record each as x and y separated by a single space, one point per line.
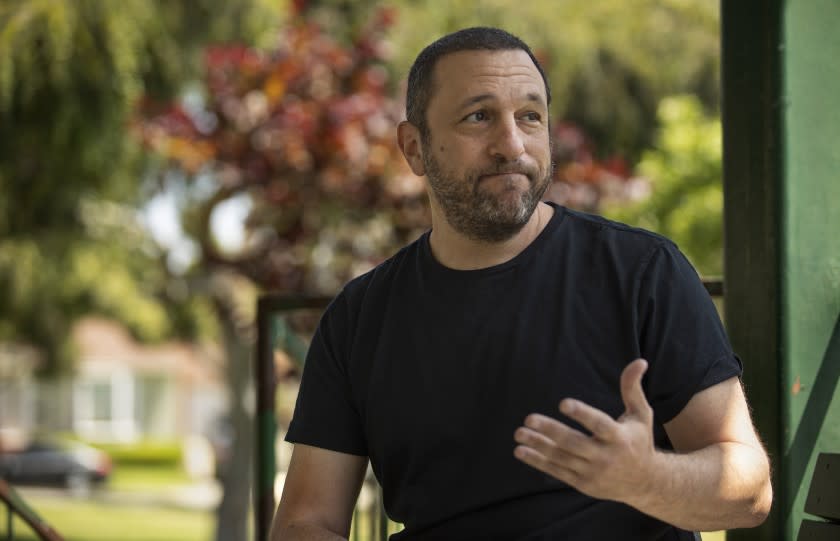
478 116
532 116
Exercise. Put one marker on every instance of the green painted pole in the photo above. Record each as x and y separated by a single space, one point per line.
752 181
781 127
811 244
269 307
266 462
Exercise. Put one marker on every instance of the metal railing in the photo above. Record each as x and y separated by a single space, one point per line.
16 506
371 514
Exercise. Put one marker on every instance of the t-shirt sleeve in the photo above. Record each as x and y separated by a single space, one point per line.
325 413
681 334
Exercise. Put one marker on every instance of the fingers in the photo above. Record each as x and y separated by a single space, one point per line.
537 460
552 447
601 425
632 393
551 437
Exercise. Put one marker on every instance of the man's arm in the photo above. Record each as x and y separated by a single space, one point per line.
319 495
718 478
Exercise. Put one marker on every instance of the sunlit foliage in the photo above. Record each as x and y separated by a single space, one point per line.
686 198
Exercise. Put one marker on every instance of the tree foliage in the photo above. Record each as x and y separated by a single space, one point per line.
686 198
70 76
305 133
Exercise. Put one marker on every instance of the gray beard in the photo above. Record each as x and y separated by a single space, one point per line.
478 215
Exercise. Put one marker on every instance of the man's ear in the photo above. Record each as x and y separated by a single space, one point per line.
408 137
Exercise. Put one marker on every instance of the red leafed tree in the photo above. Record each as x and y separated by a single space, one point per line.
582 180
305 133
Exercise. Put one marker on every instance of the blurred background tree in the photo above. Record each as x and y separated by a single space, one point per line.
72 240
685 171
70 76
300 136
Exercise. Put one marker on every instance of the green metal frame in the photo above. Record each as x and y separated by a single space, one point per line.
781 125
268 307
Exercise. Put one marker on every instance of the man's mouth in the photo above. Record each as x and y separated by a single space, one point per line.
508 176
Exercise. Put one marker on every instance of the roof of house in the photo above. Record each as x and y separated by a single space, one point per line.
104 344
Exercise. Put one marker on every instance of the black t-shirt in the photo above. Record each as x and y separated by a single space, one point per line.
429 371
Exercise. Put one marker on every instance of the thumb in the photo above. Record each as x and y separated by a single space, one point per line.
631 388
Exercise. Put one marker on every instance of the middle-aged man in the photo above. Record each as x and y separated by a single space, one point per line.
521 371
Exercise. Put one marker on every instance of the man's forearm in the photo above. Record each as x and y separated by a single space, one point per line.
726 485
304 532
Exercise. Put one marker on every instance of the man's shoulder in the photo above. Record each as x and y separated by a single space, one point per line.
382 275
598 224
592 233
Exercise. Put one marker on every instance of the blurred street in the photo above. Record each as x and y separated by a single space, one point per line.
201 495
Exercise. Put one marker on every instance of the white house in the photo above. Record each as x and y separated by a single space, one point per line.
121 390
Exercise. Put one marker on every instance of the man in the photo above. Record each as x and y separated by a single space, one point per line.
446 365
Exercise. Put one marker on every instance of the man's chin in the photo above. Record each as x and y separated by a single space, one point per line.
508 208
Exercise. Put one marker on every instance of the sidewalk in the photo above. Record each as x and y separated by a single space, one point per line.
202 495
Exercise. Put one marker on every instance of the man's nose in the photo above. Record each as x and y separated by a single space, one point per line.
507 143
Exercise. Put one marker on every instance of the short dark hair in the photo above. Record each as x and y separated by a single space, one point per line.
421 76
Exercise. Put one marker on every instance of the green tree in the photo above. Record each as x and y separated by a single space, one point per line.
71 76
684 170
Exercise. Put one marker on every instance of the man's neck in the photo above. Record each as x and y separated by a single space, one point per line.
457 251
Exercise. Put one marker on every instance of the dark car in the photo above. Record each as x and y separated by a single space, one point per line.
73 465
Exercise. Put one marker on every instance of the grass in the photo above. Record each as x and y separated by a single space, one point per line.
130 477
101 519
91 520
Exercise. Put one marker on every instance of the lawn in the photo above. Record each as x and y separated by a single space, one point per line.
137 516
129 477
92 520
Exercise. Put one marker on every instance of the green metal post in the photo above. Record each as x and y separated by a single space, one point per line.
266 418
268 308
811 248
752 157
781 118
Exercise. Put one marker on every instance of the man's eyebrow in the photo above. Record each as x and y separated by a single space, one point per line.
531 96
474 99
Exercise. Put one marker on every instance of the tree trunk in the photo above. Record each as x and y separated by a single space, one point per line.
232 513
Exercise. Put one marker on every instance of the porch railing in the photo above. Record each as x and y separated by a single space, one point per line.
15 505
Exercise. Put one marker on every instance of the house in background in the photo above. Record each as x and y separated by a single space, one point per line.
121 391
17 394
124 391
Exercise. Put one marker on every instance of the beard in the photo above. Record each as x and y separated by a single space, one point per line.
477 213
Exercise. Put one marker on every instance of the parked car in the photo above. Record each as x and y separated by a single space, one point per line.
72 465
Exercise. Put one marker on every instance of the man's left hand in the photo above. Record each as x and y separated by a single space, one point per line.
614 462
